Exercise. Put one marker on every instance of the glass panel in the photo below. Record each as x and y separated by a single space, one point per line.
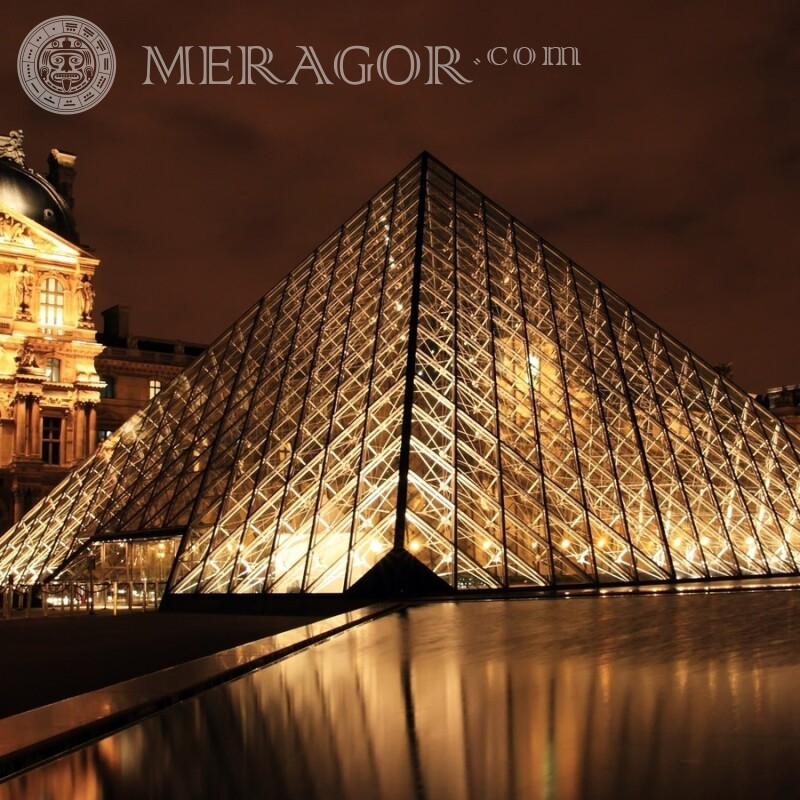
552 434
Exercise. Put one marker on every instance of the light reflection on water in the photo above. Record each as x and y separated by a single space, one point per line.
632 697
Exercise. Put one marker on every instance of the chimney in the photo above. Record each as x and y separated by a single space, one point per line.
116 322
62 174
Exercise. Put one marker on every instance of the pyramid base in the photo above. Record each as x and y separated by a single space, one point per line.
290 605
397 576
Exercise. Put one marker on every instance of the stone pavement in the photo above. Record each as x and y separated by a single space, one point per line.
44 659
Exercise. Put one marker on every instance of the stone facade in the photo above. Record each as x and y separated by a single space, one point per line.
49 388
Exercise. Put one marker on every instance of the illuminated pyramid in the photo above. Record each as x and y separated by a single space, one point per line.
436 393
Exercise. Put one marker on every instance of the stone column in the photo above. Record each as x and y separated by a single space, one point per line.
92 432
79 432
17 492
36 428
20 427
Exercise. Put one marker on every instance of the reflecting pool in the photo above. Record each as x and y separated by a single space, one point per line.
674 696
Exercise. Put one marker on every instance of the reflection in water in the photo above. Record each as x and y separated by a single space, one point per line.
671 696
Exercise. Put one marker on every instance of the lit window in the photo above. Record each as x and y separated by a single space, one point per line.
52 369
155 388
108 391
51 302
51 440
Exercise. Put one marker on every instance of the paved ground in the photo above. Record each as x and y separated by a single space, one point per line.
46 659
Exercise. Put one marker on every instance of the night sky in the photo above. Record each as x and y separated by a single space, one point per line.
667 164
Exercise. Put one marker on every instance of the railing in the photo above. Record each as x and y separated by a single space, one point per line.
73 597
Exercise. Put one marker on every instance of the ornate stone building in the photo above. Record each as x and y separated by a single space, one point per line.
49 388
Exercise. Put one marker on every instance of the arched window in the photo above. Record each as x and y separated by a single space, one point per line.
52 369
51 302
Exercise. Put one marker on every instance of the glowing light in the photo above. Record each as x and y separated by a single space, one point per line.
534 367
414 546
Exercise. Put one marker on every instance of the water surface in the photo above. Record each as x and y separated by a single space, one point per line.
676 696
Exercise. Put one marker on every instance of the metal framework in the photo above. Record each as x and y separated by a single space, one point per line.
435 378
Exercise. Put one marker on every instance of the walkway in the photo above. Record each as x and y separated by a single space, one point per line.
45 659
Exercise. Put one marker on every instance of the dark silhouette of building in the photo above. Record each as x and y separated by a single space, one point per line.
783 402
134 368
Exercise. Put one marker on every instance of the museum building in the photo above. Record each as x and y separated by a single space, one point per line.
436 400
54 405
49 389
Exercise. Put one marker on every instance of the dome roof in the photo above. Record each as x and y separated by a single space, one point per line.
31 194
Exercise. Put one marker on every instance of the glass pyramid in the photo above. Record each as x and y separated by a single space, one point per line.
437 381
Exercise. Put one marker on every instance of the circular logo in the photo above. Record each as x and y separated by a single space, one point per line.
66 65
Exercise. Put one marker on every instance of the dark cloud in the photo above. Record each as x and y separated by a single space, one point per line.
667 164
